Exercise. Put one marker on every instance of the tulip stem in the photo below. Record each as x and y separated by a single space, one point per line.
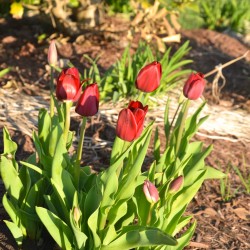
182 126
52 105
68 105
141 97
150 213
80 144
79 150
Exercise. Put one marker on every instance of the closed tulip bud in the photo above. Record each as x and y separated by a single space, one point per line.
176 184
130 121
68 86
52 53
194 86
150 191
88 103
76 214
149 77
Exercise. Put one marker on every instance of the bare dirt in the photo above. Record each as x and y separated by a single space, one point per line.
222 224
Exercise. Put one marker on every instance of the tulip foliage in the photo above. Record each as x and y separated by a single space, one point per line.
121 207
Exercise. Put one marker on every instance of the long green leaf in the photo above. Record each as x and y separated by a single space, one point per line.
140 237
57 228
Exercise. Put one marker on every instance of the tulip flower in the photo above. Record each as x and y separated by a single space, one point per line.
88 102
52 53
68 86
130 121
194 86
176 184
149 77
150 191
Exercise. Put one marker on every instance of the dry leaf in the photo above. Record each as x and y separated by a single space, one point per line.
210 211
242 213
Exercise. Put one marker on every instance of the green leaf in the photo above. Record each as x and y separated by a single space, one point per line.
59 162
34 167
57 228
185 238
93 226
44 124
10 147
16 232
157 145
80 237
35 196
10 209
213 173
11 180
140 237
5 71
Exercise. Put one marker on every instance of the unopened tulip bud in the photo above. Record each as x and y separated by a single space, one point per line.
52 53
176 184
194 86
150 191
88 103
149 77
76 214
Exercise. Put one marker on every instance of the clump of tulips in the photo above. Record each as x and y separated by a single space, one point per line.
121 207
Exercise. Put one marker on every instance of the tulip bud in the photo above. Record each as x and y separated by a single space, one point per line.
88 103
176 184
149 77
150 192
68 86
76 214
52 53
194 86
130 121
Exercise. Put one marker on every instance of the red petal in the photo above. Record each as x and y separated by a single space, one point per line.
126 127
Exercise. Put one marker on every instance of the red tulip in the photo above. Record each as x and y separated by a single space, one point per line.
130 121
68 85
149 77
194 86
88 103
52 53
150 191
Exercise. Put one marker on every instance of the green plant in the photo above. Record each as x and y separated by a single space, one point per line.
244 175
226 190
217 15
110 209
122 6
118 81
225 187
3 72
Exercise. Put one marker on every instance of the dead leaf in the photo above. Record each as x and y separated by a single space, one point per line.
210 211
242 213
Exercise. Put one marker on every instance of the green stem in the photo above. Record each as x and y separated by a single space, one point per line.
80 144
52 105
68 105
182 126
150 214
141 97
79 151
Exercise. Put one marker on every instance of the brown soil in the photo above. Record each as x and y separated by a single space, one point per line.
221 224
